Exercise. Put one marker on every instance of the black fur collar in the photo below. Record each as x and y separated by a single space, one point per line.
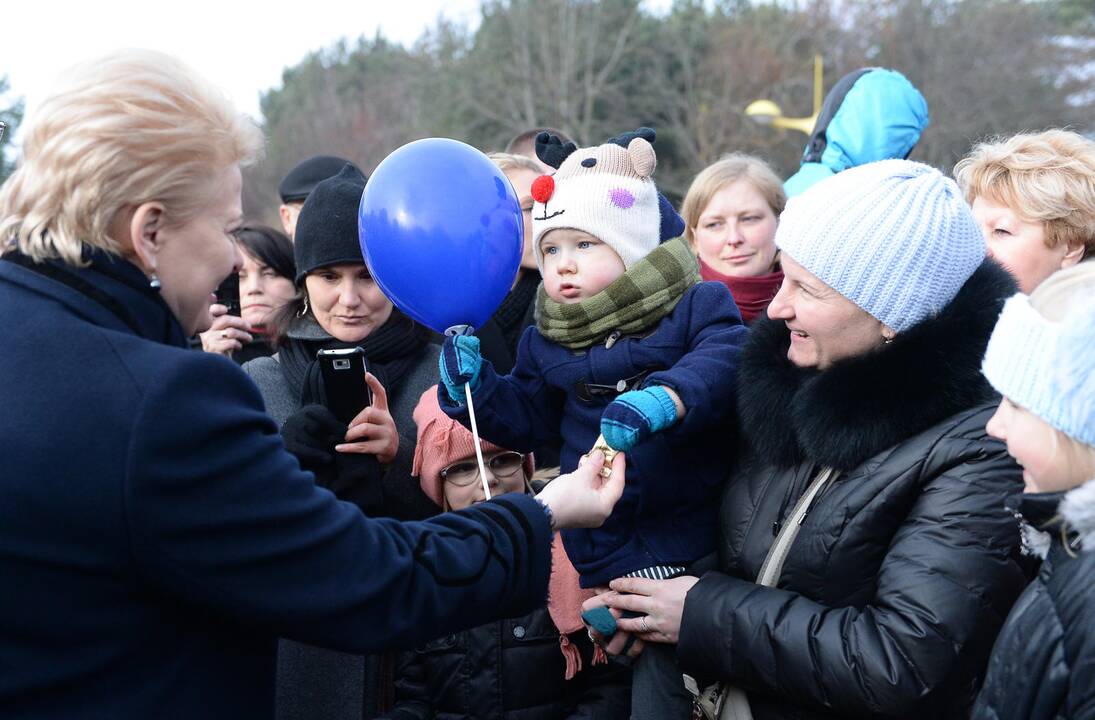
860 406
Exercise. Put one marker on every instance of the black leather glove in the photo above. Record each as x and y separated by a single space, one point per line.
357 479
311 434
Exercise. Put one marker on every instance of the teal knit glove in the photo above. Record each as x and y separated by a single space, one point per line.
635 415
459 363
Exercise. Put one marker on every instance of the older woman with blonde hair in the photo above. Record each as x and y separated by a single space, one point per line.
730 215
155 536
1034 197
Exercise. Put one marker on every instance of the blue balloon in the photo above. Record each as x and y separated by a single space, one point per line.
442 233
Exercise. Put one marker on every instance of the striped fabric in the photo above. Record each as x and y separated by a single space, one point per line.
658 572
636 301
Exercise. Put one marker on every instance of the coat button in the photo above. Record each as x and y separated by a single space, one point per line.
519 631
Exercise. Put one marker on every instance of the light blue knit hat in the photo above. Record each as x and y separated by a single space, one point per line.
895 237
1047 366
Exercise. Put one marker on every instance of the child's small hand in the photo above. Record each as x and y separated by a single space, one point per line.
459 365
635 415
601 624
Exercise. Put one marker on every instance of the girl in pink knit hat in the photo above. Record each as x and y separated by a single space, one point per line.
541 665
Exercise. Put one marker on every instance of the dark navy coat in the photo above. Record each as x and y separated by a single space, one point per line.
156 538
667 515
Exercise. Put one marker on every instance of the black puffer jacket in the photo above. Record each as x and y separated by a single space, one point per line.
906 567
1043 665
508 669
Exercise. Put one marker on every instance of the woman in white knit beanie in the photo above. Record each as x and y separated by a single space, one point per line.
1042 360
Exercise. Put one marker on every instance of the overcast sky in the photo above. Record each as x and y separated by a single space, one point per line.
241 44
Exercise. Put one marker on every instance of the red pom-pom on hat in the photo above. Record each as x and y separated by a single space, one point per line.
543 188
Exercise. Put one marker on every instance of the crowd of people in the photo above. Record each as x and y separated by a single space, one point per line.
814 448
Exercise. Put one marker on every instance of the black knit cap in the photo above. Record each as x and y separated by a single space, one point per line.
327 227
302 180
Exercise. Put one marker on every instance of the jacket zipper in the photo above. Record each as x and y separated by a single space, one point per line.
773 563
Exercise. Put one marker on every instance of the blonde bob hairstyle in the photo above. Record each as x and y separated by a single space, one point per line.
1047 177
1054 299
133 127
509 161
730 168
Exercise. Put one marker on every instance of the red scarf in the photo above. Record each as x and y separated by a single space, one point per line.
752 294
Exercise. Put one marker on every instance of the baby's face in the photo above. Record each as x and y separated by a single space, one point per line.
577 265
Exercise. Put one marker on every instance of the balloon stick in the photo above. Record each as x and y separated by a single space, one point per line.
475 437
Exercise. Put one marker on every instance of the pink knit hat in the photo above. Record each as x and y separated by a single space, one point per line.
441 441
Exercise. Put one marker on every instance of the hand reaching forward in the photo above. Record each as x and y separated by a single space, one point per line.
584 499
634 416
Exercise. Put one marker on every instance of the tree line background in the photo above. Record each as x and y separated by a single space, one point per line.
595 68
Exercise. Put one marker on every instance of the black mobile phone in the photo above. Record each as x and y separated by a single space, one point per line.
344 382
228 294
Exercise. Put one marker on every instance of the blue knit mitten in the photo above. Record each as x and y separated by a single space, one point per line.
460 362
635 415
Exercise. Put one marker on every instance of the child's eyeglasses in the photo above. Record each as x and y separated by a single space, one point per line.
465 472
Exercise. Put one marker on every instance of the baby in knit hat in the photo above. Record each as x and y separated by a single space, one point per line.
484 672
628 344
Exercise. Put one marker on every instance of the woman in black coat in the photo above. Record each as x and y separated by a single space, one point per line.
866 560
1042 359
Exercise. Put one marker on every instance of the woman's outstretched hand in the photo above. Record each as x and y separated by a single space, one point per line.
584 499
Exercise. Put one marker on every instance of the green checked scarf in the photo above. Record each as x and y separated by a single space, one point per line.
637 300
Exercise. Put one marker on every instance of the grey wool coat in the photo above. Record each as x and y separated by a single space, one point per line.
315 683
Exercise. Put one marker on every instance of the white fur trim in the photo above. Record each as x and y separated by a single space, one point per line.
1034 541
1078 510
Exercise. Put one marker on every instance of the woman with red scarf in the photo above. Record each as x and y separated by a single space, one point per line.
730 214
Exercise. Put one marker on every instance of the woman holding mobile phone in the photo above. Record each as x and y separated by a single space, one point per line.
263 284
340 306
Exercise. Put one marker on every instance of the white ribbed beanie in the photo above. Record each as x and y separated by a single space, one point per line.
895 237
1047 366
